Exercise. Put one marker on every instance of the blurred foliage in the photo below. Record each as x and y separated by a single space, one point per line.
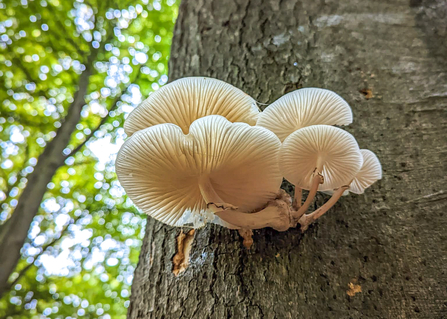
83 245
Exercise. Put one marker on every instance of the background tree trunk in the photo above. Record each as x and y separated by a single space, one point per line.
14 231
387 59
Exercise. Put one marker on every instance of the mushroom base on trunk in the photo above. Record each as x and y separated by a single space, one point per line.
275 215
279 214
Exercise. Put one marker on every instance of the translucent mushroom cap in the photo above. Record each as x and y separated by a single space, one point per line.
185 100
160 168
370 173
331 150
305 107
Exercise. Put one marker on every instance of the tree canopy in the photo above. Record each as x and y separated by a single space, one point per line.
83 244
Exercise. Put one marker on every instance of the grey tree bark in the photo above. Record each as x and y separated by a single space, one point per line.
388 60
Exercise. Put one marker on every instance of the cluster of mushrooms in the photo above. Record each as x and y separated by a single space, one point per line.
200 150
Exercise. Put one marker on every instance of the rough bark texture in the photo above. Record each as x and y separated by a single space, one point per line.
391 241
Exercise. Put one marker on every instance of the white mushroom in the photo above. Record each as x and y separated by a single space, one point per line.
276 214
319 157
370 172
305 107
183 101
192 156
215 167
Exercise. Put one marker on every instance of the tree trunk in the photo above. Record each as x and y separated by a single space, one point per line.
14 231
387 59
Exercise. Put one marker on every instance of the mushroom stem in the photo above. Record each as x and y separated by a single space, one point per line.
228 225
180 260
213 201
276 215
316 181
308 219
297 198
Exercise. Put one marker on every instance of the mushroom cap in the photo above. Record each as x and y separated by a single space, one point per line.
370 173
160 168
305 107
333 151
183 101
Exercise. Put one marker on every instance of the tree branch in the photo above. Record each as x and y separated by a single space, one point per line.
105 118
44 248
